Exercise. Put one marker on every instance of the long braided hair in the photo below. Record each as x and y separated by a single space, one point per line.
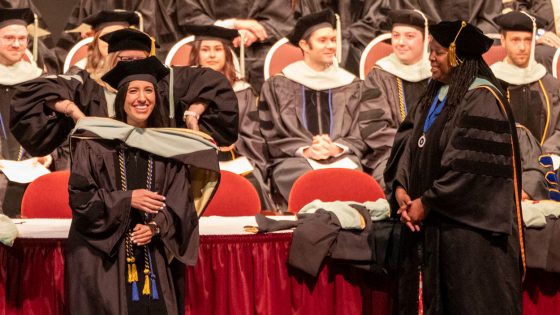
461 78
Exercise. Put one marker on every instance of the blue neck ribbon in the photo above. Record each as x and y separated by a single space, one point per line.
433 113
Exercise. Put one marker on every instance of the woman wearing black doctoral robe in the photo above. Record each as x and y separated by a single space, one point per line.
124 256
457 187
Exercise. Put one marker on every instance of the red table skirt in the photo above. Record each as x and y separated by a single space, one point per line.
234 275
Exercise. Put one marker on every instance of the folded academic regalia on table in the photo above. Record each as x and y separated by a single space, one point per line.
542 247
343 231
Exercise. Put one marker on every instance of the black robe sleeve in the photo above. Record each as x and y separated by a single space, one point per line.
37 128
476 166
99 214
196 84
274 15
178 221
251 142
534 183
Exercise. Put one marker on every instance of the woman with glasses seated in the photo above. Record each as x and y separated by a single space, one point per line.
212 49
96 26
134 201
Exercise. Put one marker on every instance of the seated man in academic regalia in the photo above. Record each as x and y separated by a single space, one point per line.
13 71
532 92
401 79
309 112
548 40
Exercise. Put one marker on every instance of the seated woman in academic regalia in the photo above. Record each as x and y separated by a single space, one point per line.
134 200
212 49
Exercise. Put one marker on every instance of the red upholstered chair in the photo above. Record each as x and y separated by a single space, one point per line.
378 48
179 54
235 196
556 64
333 184
496 52
78 53
47 197
281 54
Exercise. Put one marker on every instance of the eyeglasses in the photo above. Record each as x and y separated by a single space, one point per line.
129 58
10 40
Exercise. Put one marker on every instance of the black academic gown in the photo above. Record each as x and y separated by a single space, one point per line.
536 106
40 130
250 144
11 193
287 124
392 98
96 269
534 183
274 15
466 176
480 13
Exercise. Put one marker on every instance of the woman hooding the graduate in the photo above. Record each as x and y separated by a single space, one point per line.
134 201
457 187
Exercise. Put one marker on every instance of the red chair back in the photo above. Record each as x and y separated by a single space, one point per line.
378 48
556 64
496 52
47 197
235 196
333 184
77 53
180 53
279 56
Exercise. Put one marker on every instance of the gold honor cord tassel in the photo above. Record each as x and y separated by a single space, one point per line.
146 290
402 105
454 60
153 47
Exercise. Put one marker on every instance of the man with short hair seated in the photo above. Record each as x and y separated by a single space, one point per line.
532 92
309 112
401 78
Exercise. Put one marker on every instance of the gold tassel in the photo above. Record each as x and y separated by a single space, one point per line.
129 267
454 61
146 290
153 48
134 271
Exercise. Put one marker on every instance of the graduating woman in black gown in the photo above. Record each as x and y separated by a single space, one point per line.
135 193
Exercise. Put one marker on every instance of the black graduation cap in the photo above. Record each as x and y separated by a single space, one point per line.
311 22
105 18
149 69
461 38
211 31
518 21
23 16
129 39
407 17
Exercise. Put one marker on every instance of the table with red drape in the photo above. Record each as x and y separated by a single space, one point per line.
235 274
